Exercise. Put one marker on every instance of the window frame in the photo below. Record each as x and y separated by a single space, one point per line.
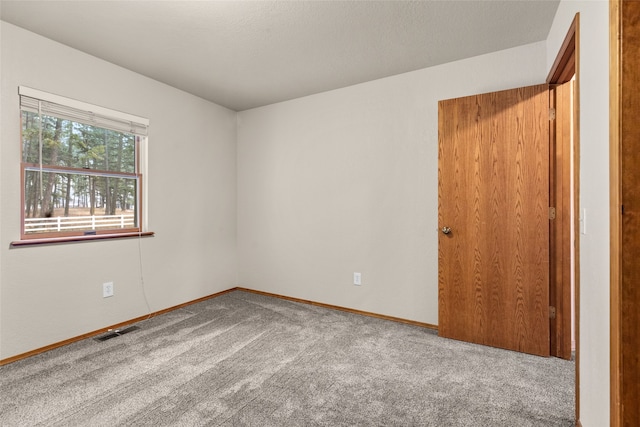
81 112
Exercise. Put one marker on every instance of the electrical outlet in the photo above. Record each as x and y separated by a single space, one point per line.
357 279
107 289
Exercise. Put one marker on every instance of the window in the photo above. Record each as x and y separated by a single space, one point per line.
81 168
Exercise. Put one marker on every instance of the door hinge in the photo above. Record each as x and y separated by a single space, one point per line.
552 113
552 312
552 213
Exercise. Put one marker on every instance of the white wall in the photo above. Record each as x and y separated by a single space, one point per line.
1 203
346 181
52 293
594 197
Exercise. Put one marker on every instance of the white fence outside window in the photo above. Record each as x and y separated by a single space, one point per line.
64 223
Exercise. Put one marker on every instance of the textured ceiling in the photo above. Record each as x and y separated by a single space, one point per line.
245 54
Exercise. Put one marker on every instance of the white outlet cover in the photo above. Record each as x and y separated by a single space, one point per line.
357 278
107 289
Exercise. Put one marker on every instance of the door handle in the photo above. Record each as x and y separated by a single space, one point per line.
446 230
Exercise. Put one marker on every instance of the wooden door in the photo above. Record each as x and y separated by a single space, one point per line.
561 226
625 213
493 197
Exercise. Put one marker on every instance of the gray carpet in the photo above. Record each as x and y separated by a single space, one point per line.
243 359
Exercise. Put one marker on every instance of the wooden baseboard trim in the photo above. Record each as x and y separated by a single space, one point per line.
176 307
348 310
107 329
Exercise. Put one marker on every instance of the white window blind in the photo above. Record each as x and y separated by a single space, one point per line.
35 101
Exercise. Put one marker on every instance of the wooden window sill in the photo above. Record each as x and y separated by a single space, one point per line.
73 239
